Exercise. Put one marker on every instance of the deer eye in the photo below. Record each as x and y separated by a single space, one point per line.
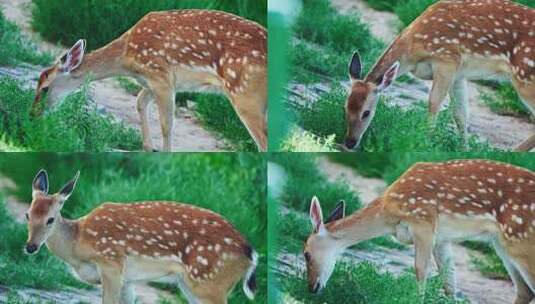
50 221
307 257
27 216
365 114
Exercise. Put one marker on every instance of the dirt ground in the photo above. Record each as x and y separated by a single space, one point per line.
188 134
501 131
477 288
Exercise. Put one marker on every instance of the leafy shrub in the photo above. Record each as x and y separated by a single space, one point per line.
101 21
14 47
74 125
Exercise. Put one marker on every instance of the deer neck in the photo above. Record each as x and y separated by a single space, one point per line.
103 63
61 241
397 51
365 224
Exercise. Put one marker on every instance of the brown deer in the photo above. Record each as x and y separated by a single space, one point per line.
117 245
176 51
452 41
435 204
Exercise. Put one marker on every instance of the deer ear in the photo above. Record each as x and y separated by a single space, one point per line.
73 58
40 182
316 217
338 212
66 190
389 77
355 67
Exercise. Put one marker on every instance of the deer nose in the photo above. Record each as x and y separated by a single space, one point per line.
350 143
31 248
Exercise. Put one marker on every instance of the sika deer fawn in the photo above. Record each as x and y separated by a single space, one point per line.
118 244
435 204
172 51
452 41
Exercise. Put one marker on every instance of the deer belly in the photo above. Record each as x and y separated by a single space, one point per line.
451 228
141 269
202 79
476 68
87 272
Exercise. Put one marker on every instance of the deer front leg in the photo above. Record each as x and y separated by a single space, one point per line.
423 235
165 98
143 99
524 295
446 267
112 280
443 76
459 99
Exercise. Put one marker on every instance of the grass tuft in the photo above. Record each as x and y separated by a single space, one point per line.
74 125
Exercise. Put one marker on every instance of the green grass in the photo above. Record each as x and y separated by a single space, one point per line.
325 41
16 48
101 21
232 185
363 283
74 125
504 100
303 141
392 128
217 113
488 263
382 5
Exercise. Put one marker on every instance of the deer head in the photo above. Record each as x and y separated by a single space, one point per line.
321 248
44 212
58 81
362 100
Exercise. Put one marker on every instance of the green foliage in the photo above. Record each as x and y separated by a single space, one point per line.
303 141
392 128
488 262
382 5
364 283
74 125
232 185
14 47
305 180
101 21
217 113
505 101
326 40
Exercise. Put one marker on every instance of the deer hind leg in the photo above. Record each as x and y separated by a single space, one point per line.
251 107
527 94
423 234
128 295
165 99
446 267
143 99
443 77
524 294
112 281
459 99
